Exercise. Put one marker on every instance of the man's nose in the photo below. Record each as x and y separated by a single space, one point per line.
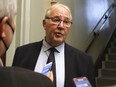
61 24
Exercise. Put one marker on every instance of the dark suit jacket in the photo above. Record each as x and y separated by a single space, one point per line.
77 63
19 77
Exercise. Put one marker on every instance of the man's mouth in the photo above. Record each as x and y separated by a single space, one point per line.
59 34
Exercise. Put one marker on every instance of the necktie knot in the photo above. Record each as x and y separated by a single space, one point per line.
51 57
52 49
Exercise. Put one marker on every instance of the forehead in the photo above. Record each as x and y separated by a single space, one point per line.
62 12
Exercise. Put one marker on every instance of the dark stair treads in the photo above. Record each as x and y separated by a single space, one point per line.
112 50
113 44
109 82
109 73
111 57
109 64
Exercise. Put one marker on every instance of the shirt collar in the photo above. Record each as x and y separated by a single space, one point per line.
46 46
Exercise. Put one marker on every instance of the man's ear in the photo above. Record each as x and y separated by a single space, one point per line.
44 22
5 18
3 21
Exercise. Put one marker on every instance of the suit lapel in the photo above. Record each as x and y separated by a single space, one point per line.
68 66
71 66
35 55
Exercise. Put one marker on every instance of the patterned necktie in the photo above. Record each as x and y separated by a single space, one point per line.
51 58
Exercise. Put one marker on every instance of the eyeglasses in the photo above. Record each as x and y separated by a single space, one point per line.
57 21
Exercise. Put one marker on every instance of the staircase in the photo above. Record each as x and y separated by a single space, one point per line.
107 74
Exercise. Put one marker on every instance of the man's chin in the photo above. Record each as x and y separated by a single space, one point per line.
57 43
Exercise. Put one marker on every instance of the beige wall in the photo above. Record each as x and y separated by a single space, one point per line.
86 14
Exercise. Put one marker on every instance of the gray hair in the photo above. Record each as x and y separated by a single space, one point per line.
57 5
7 8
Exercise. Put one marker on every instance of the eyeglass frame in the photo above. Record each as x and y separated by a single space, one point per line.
57 21
8 24
11 30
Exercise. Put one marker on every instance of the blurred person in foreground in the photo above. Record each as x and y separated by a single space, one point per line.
69 63
14 76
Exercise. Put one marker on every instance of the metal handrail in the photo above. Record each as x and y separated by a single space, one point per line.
105 16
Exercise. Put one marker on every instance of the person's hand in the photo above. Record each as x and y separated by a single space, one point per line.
50 75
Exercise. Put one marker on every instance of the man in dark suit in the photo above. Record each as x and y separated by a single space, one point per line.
70 62
15 76
19 77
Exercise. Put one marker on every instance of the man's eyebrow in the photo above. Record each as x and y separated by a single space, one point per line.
56 16
61 16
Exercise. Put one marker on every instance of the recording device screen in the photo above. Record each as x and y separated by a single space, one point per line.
82 82
47 68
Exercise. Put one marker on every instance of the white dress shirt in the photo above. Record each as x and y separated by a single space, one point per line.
59 60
